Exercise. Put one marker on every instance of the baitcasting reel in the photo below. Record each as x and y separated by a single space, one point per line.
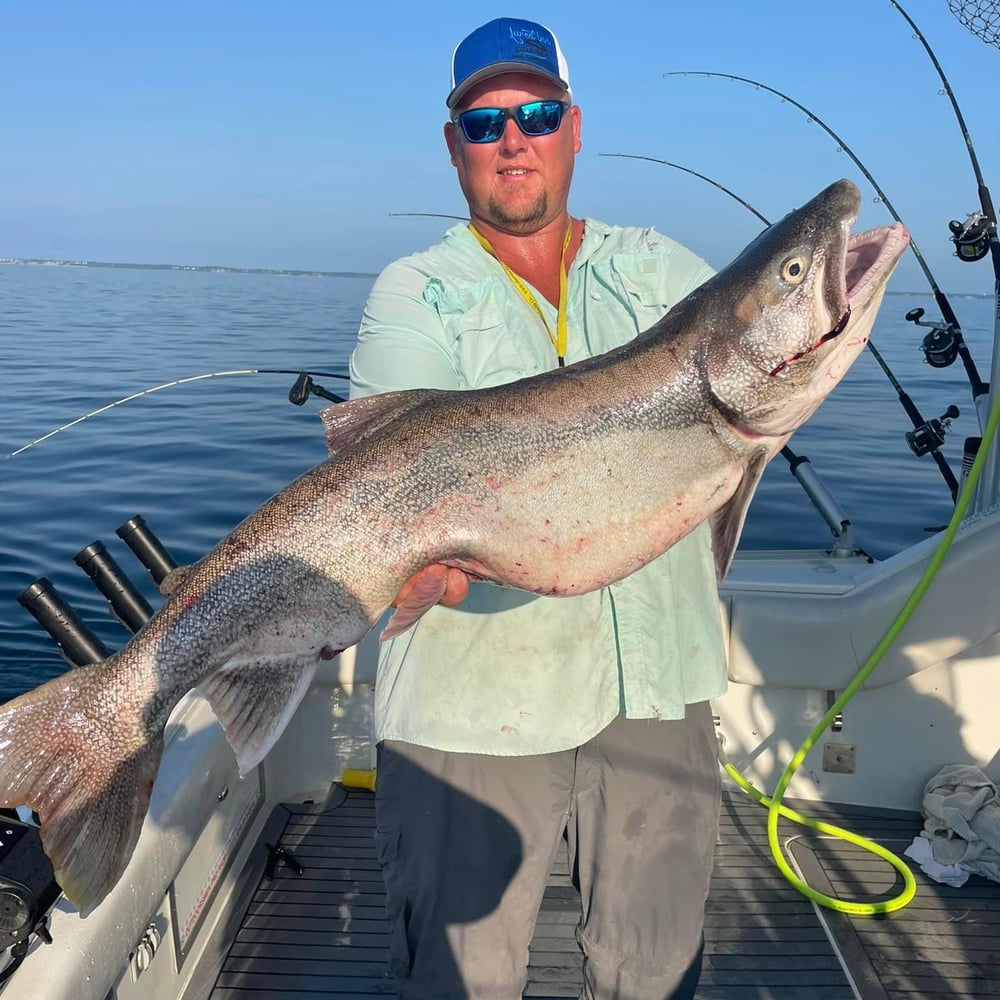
971 238
929 436
941 345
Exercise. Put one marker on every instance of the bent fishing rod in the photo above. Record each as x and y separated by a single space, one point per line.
942 342
430 215
298 394
927 436
978 235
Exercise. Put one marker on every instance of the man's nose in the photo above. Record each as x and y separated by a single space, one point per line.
512 138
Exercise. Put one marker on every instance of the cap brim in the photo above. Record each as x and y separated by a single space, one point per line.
495 70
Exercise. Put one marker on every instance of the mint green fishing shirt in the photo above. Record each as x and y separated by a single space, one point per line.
508 672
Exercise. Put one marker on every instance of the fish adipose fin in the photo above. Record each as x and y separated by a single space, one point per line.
254 699
727 523
428 591
173 580
348 423
89 784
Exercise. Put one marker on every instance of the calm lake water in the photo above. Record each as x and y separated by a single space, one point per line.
195 459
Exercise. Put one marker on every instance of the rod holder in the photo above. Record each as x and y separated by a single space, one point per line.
127 604
148 549
78 645
823 500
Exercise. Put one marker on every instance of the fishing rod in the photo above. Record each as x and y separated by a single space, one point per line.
432 215
300 391
977 236
926 437
950 332
694 173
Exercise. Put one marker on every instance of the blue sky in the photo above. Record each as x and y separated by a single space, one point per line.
263 135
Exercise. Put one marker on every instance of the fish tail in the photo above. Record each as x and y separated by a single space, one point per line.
89 780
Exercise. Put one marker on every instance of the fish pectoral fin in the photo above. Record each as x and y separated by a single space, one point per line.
88 777
727 523
426 592
254 699
350 422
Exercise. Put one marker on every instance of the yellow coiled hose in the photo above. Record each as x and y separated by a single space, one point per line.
774 804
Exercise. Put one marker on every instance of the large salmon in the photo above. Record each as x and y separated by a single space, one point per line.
556 484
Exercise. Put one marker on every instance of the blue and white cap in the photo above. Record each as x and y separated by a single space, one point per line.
506 45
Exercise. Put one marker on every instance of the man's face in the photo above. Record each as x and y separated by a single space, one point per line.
519 183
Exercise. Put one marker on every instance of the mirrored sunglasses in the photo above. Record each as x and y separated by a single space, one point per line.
534 118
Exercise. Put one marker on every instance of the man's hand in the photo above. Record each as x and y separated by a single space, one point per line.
455 583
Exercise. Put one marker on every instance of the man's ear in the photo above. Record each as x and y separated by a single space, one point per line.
451 141
575 116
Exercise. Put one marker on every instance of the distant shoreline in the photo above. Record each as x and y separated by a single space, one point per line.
295 272
211 268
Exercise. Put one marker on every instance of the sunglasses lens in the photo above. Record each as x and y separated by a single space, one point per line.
536 118
482 124
540 117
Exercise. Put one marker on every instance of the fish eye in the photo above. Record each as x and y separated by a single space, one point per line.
793 270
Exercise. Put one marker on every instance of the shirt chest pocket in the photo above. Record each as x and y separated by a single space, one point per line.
641 280
491 342
627 294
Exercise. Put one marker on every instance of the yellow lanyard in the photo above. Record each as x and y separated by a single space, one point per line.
559 340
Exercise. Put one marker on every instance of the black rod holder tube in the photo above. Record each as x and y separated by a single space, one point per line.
127 604
78 644
138 536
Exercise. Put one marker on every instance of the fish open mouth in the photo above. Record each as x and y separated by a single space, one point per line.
869 255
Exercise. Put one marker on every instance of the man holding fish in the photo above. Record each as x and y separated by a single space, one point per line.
509 721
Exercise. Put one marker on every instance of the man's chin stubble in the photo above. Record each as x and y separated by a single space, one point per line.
526 216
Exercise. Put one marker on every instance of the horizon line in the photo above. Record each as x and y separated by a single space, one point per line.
214 268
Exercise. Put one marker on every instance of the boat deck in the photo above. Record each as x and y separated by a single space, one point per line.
322 934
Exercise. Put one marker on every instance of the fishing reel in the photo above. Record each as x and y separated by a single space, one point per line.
929 436
941 345
28 889
971 238
305 387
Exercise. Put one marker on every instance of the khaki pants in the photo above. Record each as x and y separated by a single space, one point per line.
467 841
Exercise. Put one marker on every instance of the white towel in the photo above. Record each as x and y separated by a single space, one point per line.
921 852
961 811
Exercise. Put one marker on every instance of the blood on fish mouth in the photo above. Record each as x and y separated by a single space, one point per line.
864 260
839 328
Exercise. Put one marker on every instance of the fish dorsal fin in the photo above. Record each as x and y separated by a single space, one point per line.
253 699
427 592
350 422
727 523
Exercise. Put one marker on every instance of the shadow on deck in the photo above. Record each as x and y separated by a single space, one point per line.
323 934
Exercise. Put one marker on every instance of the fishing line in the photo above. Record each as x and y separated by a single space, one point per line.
168 385
916 418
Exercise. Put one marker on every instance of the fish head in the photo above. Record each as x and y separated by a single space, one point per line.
798 306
